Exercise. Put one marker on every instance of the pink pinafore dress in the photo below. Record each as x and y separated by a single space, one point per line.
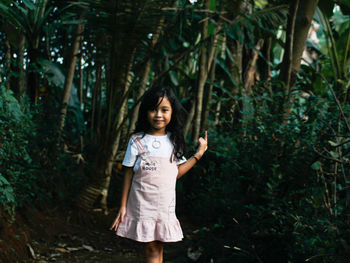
150 210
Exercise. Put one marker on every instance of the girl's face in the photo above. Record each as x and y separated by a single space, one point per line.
160 117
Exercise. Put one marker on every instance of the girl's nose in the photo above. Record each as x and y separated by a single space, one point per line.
158 113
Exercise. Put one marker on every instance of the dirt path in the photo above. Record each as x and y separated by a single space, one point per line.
86 239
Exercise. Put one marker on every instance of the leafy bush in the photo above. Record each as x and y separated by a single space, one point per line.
33 169
7 197
15 174
260 193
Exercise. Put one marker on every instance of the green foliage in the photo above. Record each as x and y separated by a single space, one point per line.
7 197
268 191
30 171
14 156
260 193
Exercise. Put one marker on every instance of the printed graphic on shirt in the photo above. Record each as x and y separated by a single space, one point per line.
150 166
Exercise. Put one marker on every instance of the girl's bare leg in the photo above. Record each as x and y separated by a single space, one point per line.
154 252
161 252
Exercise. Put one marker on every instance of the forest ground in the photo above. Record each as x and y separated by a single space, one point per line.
85 237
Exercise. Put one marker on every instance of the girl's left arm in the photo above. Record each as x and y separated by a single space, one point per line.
186 166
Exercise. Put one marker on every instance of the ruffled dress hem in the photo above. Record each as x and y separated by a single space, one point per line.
150 230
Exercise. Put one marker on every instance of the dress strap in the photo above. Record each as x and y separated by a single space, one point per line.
139 145
172 156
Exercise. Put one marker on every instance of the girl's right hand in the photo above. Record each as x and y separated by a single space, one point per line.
118 219
203 145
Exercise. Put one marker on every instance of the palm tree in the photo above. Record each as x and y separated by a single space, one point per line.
127 24
30 18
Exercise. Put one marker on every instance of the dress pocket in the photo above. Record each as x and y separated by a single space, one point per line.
150 171
149 188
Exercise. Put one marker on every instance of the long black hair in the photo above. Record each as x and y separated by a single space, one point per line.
150 102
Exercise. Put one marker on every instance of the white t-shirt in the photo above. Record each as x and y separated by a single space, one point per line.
158 146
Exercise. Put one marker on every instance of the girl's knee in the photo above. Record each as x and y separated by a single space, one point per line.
153 249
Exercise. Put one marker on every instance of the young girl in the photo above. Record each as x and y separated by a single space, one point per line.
153 161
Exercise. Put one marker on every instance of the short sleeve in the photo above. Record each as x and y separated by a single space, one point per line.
180 161
131 154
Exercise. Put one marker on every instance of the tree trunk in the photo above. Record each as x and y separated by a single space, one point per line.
21 80
299 23
117 133
287 64
236 69
208 97
70 74
249 74
203 74
306 11
236 66
96 192
86 90
15 82
238 7
81 80
8 63
212 67
199 96
249 82
122 52
144 78
99 110
47 42
33 75
217 113
95 95
189 119
236 48
264 66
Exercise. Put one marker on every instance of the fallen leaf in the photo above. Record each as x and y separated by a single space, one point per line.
62 250
74 248
61 244
31 251
88 247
